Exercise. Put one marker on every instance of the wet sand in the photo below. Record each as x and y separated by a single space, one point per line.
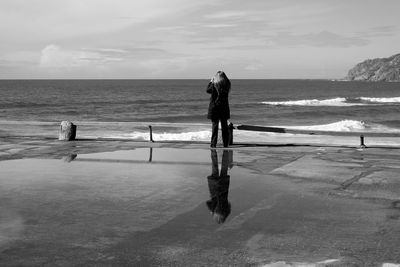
120 203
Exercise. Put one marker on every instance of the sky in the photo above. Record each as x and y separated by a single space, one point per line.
186 39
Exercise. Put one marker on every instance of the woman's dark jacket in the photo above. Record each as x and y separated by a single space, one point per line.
219 104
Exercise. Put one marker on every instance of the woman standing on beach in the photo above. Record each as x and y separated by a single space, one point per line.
218 109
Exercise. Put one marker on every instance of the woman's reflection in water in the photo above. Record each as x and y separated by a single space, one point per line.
218 184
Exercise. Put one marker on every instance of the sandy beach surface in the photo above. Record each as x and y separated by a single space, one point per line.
121 203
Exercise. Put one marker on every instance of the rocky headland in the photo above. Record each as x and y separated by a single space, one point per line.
378 69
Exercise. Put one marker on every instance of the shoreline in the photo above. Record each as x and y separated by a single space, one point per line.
27 144
199 133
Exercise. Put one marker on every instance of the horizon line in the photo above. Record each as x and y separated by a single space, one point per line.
110 79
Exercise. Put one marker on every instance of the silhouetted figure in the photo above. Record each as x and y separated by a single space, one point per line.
218 109
218 184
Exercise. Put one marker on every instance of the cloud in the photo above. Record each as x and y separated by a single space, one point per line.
132 62
379 31
119 38
47 20
53 56
227 15
253 67
220 25
319 39
19 58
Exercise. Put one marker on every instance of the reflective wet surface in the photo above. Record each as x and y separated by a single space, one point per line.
191 207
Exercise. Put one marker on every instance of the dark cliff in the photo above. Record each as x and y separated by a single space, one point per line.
378 69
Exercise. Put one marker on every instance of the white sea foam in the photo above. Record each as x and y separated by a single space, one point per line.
339 101
381 99
390 265
301 264
204 135
347 126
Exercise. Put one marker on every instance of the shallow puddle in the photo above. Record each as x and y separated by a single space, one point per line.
180 207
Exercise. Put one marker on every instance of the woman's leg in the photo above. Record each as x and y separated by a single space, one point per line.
214 134
225 132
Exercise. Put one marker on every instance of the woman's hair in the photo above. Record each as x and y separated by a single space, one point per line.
221 82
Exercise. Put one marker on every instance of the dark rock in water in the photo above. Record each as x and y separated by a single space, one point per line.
67 131
378 69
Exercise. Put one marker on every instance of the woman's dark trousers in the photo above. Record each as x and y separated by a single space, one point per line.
225 133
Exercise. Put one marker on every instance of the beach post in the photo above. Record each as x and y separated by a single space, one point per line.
67 131
362 145
70 157
151 155
151 134
230 131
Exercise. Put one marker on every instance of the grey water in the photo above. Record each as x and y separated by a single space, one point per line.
261 102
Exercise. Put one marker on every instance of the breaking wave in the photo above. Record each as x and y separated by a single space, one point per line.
381 99
197 132
336 102
339 101
254 136
348 126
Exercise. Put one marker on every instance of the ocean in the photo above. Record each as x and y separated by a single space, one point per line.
177 109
